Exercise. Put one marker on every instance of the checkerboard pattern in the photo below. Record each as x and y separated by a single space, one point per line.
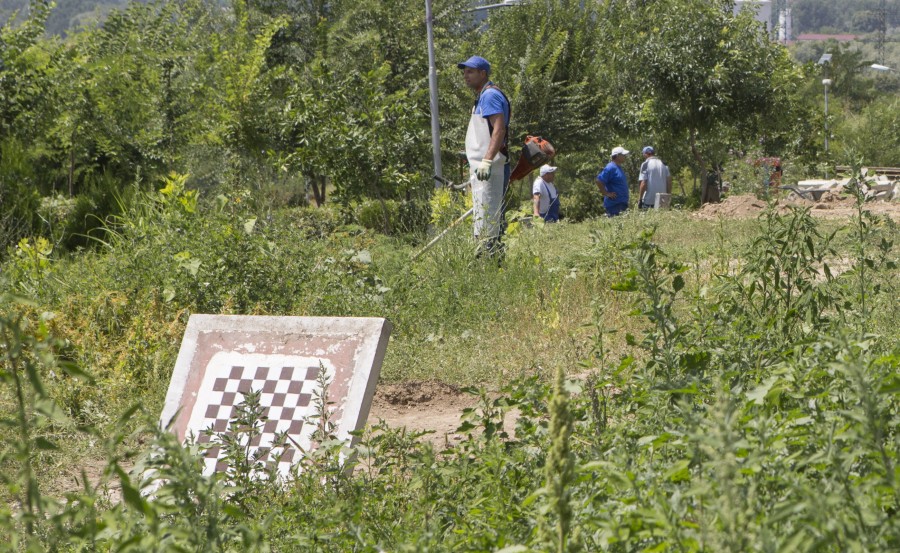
286 394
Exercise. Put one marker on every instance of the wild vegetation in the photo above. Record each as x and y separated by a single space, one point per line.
736 393
654 382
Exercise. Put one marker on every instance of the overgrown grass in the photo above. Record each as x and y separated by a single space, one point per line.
731 394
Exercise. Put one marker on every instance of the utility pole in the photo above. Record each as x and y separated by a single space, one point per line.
826 83
433 93
882 30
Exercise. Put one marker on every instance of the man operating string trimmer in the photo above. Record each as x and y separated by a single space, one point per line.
488 154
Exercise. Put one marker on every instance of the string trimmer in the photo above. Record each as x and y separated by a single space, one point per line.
453 225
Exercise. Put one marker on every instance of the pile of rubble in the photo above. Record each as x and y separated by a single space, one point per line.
882 184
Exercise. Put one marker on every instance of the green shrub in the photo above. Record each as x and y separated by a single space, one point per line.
447 206
377 215
19 196
413 216
394 217
316 222
580 200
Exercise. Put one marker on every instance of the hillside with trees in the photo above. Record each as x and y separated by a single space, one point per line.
810 16
67 14
846 16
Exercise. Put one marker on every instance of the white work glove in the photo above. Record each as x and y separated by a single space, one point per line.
483 171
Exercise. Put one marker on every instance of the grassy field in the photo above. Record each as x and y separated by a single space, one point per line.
681 384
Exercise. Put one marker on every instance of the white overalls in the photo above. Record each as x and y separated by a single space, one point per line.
487 196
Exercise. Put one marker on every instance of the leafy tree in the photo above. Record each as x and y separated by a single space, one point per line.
25 72
350 130
356 111
553 73
707 78
26 106
871 135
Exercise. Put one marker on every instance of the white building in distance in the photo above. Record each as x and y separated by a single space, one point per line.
764 14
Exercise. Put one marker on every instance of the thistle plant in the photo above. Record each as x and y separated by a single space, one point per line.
658 280
327 457
557 519
865 232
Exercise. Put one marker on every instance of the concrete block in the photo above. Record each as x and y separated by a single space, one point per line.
223 357
663 201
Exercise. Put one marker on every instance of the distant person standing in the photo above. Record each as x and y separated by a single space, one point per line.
655 179
775 175
613 184
544 195
487 152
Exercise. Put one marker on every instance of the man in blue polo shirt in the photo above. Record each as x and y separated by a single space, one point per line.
613 184
486 149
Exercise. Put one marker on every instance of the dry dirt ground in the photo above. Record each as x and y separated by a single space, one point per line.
830 205
430 406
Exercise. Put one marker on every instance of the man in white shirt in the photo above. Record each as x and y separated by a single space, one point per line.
545 196
655 178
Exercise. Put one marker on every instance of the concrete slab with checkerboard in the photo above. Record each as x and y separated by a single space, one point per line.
223 357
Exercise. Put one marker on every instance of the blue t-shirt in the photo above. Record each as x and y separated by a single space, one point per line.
491 102
613 178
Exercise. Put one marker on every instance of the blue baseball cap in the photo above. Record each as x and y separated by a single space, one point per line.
475 62
649 150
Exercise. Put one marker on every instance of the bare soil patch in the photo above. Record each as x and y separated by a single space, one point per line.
431 406
830 205
744 206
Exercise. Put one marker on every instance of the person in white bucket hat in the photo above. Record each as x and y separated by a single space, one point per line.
545 195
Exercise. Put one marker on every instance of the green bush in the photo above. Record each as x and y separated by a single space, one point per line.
446 205
401 217
377 215
19 196
316 222
580 200
413 216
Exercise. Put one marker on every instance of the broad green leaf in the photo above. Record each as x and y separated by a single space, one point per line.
758 394
51 410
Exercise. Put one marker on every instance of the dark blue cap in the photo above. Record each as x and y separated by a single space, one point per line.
475 62
649 150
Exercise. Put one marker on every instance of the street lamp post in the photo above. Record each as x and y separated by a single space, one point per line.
432 88
826 83
825 59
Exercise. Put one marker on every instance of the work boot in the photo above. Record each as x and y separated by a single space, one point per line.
492 248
